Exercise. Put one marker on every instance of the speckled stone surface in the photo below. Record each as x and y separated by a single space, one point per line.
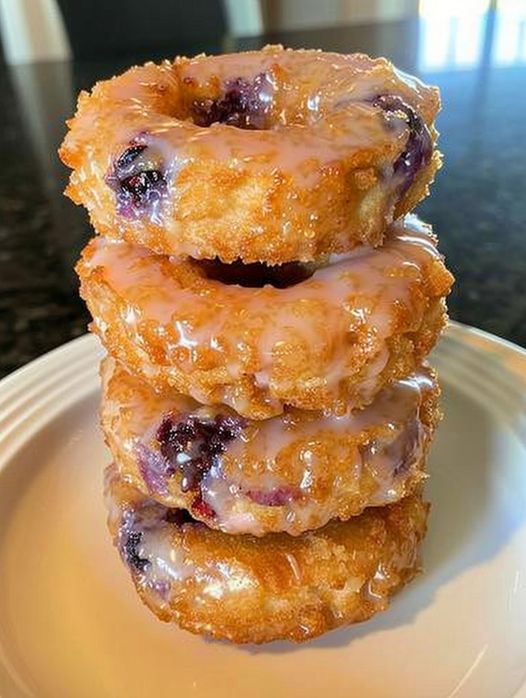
478 204
39 304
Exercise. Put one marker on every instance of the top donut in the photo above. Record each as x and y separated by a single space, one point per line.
273 155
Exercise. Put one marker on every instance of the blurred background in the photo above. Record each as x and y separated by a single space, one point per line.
474 50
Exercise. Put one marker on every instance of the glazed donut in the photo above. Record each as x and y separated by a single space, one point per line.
272 155
246 589
290 473
328 342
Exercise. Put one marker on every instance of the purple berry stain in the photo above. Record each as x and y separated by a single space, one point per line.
192 445
244 104
399 455
419 146
154 469
274 498
405 448
137 179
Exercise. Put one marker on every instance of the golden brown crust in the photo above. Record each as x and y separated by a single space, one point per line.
255 590
331 341
291 473
231 194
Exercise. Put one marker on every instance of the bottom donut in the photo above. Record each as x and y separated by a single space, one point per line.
254 590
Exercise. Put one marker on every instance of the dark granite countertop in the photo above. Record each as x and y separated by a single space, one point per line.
478 204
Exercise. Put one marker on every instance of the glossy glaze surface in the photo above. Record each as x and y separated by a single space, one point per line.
249 590
329 341
293 472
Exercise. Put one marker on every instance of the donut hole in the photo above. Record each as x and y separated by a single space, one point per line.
241 103
256 274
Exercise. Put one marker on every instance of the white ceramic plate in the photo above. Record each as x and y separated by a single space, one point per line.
72 626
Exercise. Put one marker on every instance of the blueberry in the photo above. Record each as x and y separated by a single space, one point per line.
137 179
129 155
192 445
130 552
242 105
419 146
141 188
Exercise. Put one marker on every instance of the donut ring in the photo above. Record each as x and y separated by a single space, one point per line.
272 155
329 342
256 590
290 473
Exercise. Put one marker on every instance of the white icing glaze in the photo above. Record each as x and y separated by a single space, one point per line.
357 292
328 93
302 152
324 142
166 561
392 407
166 566
250 462
285 457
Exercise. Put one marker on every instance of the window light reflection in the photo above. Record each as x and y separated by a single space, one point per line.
453 33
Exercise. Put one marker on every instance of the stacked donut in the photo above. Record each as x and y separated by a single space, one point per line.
267 302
